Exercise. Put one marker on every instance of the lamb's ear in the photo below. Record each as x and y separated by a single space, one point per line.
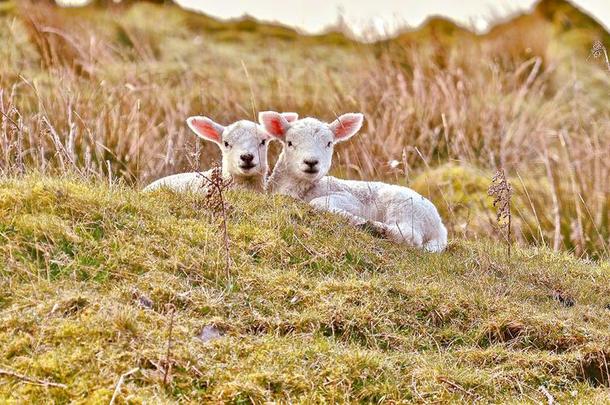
206 128
346 126
290 116
274 123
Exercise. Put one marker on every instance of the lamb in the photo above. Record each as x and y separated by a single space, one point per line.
244 156
397 213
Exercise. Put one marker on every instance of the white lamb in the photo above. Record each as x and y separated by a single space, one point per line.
395 212
244 156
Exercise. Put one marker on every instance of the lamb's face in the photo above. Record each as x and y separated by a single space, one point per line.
243 143
308 143
244 149
308 148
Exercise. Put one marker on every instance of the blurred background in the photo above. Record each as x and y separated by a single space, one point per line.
451 93
382 17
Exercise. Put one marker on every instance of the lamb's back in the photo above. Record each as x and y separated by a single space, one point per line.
182 182
386 202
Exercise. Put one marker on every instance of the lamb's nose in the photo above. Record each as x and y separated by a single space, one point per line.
247 157
310 163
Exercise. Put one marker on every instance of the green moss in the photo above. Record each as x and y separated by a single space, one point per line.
460 193
310 310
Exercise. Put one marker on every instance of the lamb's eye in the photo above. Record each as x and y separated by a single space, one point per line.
226 144
289 143
263 142
328 144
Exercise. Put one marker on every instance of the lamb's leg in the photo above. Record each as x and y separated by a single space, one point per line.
400 233
337 204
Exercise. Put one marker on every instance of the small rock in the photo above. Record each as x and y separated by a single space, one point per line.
145 302
209 332
142 299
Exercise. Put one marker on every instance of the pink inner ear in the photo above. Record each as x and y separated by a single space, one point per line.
345 127
206 130
274 126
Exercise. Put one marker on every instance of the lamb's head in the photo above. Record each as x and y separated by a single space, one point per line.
243 144
308 143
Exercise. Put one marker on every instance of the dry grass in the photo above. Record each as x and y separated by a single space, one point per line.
106 94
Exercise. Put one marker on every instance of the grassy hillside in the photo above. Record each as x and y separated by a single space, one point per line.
106 292
96 278
309 309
